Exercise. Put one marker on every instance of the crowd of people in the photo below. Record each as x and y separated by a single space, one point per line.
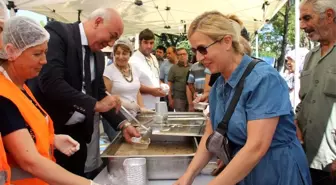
55 88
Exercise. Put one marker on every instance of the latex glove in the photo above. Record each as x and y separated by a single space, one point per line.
202 98
66 144
165 88
131 106
93 183
144 110
206 111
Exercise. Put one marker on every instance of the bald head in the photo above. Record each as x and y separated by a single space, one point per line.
103 27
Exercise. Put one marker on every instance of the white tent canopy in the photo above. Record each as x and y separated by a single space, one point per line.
161 16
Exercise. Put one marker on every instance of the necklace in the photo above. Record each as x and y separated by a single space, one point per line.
128 77
151 64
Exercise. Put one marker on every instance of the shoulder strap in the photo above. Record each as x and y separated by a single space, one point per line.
223 125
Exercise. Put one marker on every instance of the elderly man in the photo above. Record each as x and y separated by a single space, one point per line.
177 80
318 90
71 89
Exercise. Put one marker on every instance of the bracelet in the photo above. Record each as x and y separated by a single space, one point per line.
127 124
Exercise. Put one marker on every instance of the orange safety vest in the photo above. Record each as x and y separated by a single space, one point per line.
41 126
4 167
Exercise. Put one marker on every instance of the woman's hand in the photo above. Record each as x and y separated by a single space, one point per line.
203 98
93 183
144 110
66 144
184 180
131 106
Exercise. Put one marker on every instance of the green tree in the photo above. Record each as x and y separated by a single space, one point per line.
167 39
276 37
42 23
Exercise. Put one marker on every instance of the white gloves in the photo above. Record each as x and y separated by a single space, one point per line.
206 111
144 110
132 107
93 183
165 88
66 144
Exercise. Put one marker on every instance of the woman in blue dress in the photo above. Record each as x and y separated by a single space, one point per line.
265 148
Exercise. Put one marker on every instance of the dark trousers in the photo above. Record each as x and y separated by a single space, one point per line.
320 177
167 101
180 105
76 162
110 132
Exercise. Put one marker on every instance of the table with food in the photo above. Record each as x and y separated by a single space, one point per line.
158 157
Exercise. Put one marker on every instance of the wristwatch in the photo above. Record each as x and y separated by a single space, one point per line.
127 124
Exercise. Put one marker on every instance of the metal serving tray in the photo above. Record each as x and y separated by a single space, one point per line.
159 167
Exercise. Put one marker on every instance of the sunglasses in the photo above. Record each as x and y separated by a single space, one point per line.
204 49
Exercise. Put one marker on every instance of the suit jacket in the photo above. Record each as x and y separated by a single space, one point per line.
59 85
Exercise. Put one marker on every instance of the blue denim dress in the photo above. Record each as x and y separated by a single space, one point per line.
265 95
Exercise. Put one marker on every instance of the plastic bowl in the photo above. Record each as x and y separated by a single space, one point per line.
200 105
209 168
138 143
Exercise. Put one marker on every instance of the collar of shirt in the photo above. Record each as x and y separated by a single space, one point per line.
84 39
317 48
181 64
238 72
200 64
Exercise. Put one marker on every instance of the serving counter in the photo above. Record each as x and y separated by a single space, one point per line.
173 145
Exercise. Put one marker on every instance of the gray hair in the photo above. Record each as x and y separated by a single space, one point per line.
321 6
104 13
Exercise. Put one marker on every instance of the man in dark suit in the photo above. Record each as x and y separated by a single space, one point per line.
71 88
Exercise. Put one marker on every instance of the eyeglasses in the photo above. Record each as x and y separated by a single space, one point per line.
203 49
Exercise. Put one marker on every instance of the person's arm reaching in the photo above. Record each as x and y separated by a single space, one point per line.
157 92
108 84
201 158
190 99
21 146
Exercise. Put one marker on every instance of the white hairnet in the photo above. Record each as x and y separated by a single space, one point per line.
22 33
3 11
124 41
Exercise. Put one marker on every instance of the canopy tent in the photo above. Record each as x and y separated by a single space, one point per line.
161 16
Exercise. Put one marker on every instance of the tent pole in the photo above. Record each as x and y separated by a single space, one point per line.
136 42
297 48
257 44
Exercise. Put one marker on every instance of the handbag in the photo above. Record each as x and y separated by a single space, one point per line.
218 142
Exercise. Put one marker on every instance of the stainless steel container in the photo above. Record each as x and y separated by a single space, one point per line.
178 123
159 167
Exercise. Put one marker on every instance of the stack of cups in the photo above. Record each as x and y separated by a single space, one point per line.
136 171
161 112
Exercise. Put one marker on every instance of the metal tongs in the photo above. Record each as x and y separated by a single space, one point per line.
149 130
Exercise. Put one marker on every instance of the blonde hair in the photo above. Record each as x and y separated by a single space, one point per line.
235 18
216 25
246 46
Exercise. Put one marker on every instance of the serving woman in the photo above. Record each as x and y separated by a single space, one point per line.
26 129
4 167
265 149
122 79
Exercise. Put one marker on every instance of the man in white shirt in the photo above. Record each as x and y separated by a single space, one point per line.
149 70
